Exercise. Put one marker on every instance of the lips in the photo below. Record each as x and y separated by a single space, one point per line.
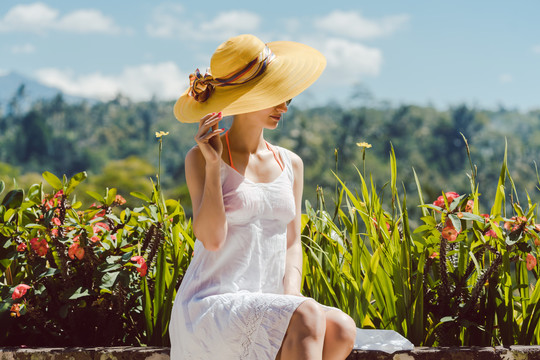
276 117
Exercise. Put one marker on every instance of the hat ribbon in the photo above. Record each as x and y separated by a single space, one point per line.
201 87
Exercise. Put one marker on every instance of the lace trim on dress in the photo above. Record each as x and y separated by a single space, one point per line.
266 327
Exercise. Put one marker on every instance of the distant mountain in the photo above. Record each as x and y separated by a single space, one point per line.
33 90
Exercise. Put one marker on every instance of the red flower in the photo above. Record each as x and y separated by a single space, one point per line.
100 227
60 193
450 196
39 246
142 268
119 200
531 262
491 233
15 310
434 255
19 291
56 221
449 233
21 247
469 206
75 250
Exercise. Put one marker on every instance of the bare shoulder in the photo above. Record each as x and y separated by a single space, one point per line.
296 161
194 164
194 156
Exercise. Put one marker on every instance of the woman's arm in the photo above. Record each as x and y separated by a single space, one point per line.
203 179
292 280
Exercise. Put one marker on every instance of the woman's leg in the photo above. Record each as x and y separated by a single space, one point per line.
305 335
340 335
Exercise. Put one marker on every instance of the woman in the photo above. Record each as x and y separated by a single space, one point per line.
240 297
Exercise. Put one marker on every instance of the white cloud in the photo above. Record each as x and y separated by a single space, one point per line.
506 78
350 59
536 49
170 21
353 25
164 80
39 17
23 49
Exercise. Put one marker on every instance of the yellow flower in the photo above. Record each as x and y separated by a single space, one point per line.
161 133
363 144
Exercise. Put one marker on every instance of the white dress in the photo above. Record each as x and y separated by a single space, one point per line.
231 303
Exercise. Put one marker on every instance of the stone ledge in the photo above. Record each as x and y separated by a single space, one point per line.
517 352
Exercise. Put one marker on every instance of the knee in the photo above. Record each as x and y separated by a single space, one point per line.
308 320
340 328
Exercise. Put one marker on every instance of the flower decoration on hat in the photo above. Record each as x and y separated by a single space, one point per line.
201 87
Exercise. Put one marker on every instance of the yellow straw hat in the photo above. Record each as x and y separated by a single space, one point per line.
246 75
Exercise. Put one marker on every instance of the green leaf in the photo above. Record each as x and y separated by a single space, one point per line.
75 180
53 180
34 193
96 196
111 196
469 216
13 199
76 293
140 195
455 222
2 186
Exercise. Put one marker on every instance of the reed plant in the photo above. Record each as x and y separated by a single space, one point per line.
463 277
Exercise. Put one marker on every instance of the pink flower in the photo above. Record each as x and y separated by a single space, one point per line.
19 291
434 255
469 206
531 261
56 221
450 196
119 200
491 233
94 239
60 193
75 250
100 227
39 246
21 247
449 233
54 232
142 268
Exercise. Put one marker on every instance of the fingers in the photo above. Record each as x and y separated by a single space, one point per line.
206 137
209 121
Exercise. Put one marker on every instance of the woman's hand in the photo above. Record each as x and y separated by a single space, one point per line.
208 139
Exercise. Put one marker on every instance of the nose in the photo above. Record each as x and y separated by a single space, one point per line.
282 107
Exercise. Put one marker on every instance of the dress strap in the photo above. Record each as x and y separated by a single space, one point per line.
229 149
275 156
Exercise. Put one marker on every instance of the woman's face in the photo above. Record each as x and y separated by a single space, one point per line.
268 118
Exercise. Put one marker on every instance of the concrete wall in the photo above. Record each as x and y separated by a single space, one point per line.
155 353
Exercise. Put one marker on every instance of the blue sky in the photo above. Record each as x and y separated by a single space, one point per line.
482 53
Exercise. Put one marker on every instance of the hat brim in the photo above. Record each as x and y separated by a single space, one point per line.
294 69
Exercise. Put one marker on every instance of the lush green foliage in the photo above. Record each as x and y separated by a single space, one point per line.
102 137
459 279
448 273
88 277
104 277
